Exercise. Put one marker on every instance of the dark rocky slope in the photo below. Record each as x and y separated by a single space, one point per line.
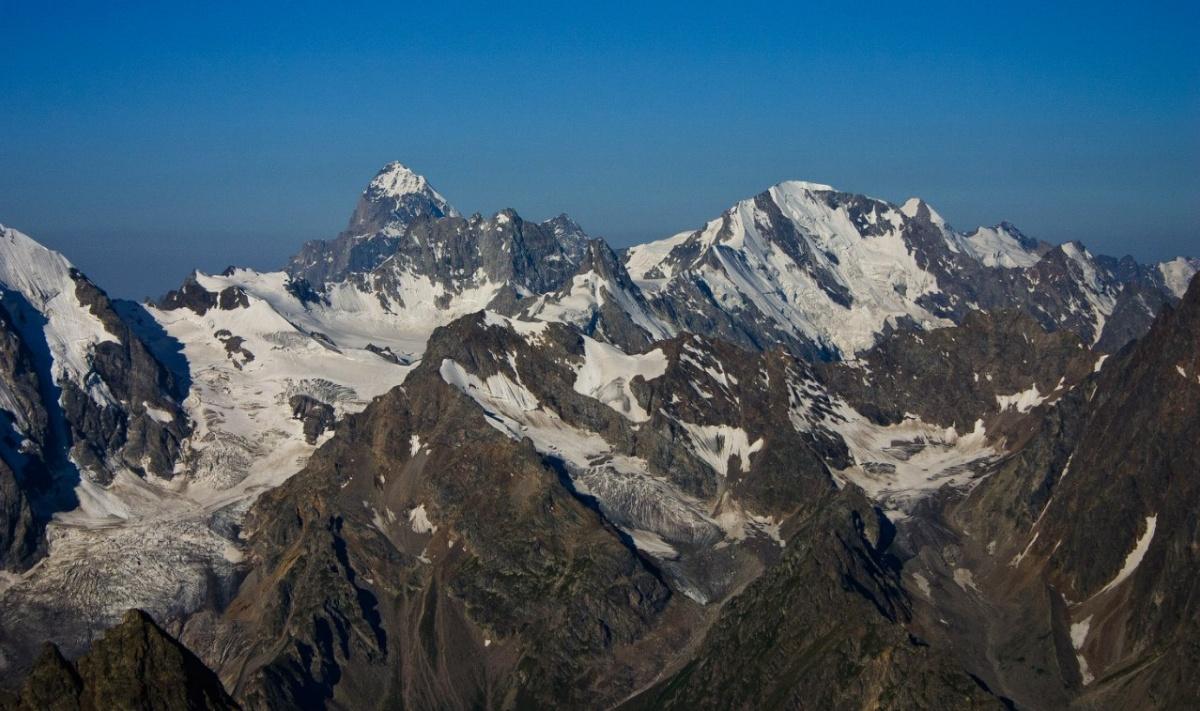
135 665
1082 545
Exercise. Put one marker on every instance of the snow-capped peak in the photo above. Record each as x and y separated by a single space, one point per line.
796 185
396 180
912 207
1000 246
26 266
44 279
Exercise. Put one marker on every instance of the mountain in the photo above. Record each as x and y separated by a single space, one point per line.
395 198
1091 530
812 454
826 273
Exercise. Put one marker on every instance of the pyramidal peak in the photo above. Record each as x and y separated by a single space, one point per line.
397 179
912 208
397 182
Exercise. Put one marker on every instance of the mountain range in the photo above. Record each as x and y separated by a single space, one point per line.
824 451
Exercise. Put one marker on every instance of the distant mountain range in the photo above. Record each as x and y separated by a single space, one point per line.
822 452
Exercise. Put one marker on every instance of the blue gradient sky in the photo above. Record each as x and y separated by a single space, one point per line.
144 141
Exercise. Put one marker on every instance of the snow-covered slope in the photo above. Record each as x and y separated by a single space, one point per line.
809 265
39 278
1177 274
1001 246
827 273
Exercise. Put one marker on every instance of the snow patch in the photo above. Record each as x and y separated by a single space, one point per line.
1023 401
607 372
158 415
419 520
1134 558
997 247
1178 273
897 465
715 444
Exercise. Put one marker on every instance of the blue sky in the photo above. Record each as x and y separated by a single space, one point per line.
145 140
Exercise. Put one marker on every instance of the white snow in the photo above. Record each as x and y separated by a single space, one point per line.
419 520
1028 547
414 445
42 277
531 331
1022 401
157 414
643 258
996 247
245 436
584 298
396 181
607 372
1178 273
498 392
715 444
1134 558
743 267
900 464
1100 301
1079 632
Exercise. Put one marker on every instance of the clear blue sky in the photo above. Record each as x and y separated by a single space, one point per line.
145 140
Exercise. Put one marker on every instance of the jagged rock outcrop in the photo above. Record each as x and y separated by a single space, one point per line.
317 416
144 426
135 665
191 295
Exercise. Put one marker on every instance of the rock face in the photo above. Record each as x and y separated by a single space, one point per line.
993 361
823 628
144 429
23 470
135 665
317 416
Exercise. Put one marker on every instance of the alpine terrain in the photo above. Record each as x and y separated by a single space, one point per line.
821 452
